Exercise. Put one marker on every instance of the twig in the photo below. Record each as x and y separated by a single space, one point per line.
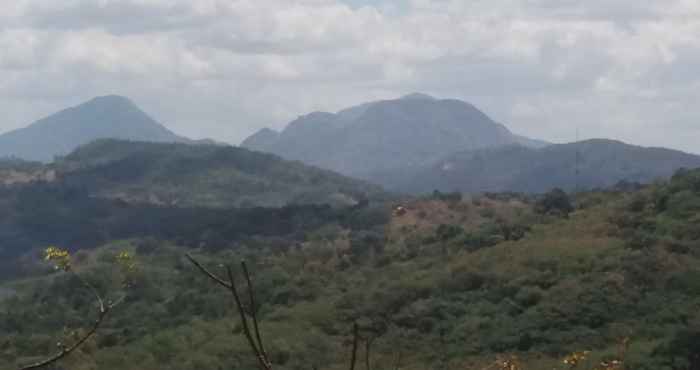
355 339
256 343
262 360
257 348
368 349
206 272
397 360
103 311
254 310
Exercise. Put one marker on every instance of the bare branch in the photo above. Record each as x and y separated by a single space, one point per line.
368 350
355 340
260 354
103 312
254 310
256 343
208 273
397 360
94 291
262 360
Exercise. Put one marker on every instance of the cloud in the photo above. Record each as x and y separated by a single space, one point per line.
224 68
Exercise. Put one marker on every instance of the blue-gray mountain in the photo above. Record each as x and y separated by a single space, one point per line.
584 165
113 117
419 144
368 140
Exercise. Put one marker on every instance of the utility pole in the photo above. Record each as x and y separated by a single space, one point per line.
577 165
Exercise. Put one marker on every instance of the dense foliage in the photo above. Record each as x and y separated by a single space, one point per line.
204 175
574 166
40 214
441 282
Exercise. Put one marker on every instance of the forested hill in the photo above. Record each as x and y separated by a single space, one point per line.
205 194
580 165
203 175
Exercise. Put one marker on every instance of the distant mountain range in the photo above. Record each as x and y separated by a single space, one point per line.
418 143
102 117
413 144
584 165
389 135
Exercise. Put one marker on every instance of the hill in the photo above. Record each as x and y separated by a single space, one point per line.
103 117
375 137
203 176
600 164
448 282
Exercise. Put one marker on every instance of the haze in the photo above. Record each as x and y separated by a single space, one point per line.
223 69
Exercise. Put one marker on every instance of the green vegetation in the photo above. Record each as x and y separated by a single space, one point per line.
37 215
450 283
587 164
204 176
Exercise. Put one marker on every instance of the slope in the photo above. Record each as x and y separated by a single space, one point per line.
203 175
584 165
102 117
374 137
425 287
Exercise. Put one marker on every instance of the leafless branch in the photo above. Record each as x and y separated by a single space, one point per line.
103 312
208 273
254 310
355 340
262 359
368 350
256 347
255 341
397 360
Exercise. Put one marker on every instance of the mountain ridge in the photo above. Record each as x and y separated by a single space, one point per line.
407 132
108 116
583 165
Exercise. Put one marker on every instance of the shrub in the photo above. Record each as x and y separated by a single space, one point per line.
555 202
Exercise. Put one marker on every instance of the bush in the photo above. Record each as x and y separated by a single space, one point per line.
556 202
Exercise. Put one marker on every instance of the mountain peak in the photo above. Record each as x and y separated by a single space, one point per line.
110 100
110 116
262 139
111 97
369 139
417 96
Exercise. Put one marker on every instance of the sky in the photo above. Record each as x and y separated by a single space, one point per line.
622 69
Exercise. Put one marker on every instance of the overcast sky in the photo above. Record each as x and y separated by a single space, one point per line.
625 69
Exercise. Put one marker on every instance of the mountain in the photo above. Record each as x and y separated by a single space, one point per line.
600 163
102 117
372 138
202 175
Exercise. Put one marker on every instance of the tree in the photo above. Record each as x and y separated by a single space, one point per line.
555 202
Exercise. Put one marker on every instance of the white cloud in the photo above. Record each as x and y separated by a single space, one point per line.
223 68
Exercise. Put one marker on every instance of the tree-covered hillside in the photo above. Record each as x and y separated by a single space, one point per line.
580 165
442 282
203 176
40 214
